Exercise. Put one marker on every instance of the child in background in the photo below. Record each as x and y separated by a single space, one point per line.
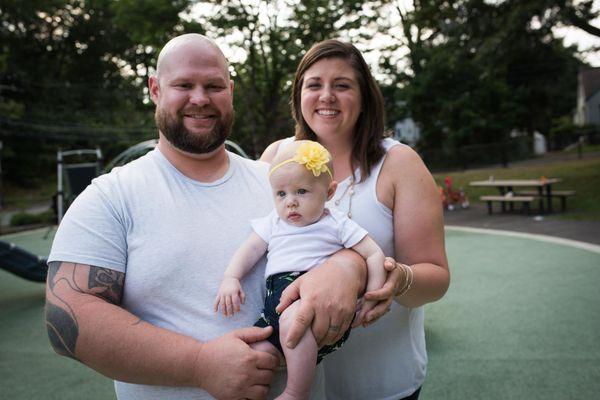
298 235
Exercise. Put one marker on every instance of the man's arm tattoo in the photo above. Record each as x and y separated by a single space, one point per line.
110 283
61 321
62 330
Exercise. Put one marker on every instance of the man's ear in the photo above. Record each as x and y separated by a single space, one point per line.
154 88
331 189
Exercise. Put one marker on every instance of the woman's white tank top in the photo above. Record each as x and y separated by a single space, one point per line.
388 360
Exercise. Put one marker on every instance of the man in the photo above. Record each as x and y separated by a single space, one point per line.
137 260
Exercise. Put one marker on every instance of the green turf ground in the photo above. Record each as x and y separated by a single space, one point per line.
521 320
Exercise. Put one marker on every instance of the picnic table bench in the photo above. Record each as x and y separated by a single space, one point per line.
508 199
543 192
559 194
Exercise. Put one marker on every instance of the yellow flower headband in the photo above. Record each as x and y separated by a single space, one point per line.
312 155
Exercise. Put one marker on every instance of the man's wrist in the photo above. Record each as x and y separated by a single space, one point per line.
198 371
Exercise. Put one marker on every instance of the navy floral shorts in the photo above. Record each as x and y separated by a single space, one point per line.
275 286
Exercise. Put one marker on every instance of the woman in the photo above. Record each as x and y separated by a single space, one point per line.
386 188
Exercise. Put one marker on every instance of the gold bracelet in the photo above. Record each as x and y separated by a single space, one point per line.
408 273
401 291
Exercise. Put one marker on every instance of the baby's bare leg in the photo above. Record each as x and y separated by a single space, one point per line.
301 361
267 347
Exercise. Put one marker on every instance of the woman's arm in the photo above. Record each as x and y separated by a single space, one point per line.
408 189
418 228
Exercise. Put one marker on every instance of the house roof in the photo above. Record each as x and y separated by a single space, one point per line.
590 79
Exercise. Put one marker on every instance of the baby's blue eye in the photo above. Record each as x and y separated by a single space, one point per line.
281 193
302 191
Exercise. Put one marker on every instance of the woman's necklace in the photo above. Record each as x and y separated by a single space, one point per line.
350 191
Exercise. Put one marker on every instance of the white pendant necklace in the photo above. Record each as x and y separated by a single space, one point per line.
350 191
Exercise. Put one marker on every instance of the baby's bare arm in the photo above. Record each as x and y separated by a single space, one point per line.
246 256
373 255
231 295
376 273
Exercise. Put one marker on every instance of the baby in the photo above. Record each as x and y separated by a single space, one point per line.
299 234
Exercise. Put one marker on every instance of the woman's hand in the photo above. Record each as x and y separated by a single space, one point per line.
328 294
396 278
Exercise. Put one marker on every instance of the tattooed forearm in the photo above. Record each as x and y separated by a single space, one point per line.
61 323
109 281
62 330
66 283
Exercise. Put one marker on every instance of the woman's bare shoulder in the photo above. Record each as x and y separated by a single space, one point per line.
271 151
402 160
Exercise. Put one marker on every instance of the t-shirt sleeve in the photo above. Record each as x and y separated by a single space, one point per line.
350 232
264 226
92 232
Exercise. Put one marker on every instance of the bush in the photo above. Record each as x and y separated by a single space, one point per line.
24 218
564 133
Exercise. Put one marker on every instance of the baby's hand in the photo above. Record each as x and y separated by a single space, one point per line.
230 296
360 318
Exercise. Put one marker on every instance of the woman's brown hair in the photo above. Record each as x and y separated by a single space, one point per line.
366 146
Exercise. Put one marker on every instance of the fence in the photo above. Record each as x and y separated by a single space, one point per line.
470 156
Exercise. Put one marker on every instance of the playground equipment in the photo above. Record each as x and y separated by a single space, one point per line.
78 176
452 198
22 263
144 147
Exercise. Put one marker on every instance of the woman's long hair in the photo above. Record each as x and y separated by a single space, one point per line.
368 132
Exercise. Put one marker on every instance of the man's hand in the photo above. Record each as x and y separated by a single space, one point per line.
329 294
230 369
385 295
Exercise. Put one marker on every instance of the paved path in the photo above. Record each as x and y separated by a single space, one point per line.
7 213
477 217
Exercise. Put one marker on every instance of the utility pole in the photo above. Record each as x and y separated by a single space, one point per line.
1 193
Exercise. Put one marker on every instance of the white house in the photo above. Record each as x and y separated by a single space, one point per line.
407 131
588 97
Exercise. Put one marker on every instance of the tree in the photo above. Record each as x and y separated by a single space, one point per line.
273 36
479 70
73 72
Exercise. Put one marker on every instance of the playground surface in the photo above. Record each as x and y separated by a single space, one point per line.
520 320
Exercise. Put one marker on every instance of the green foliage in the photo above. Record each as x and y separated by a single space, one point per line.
72 74
274 36
481 69
23 218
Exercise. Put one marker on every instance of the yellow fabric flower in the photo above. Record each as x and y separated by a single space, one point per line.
313 156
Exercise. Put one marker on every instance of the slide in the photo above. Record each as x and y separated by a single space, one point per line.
22 263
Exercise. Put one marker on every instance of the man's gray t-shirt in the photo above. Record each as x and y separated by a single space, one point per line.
173 237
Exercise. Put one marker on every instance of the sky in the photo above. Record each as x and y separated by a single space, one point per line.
584 41
570 35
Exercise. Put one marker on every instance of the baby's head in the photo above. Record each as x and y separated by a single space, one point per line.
301 178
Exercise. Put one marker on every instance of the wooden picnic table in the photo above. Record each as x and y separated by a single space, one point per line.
504 186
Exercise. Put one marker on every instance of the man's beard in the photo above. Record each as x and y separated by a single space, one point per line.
181 138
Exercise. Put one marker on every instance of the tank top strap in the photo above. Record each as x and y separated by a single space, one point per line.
387 144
